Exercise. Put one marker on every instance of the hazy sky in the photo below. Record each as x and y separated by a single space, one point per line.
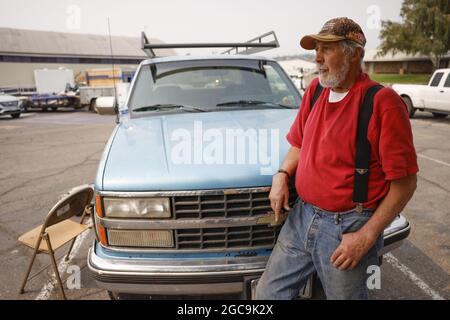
199 20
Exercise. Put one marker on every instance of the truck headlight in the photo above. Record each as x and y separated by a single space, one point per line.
137 207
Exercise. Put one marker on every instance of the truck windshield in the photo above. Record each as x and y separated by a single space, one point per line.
213 85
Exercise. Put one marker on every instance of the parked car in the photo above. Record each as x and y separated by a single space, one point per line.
433 97
10 105
180 212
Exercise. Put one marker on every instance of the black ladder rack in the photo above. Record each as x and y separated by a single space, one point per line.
252 46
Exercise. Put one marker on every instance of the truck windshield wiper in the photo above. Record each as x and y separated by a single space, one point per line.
253 103
166 106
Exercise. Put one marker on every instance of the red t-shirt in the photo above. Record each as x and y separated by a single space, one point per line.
327 138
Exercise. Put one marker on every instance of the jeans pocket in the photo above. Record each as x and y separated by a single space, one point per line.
352 224
296 204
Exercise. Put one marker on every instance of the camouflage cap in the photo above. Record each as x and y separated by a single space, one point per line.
336 29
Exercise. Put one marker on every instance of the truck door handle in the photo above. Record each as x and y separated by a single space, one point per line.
441 91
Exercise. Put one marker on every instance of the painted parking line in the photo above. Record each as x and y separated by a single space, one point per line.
47 289
10 127
435 160
413 277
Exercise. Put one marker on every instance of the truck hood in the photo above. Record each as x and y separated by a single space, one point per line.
194 151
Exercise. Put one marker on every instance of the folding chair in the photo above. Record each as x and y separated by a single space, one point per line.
57 230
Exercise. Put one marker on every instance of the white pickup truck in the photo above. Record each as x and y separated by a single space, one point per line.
434 97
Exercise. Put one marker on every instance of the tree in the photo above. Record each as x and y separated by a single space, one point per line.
425 30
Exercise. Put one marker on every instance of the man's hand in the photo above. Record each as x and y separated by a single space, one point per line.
353 247
279 194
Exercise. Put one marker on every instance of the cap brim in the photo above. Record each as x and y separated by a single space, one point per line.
309 42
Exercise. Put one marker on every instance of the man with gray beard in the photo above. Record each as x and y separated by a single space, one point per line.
334 228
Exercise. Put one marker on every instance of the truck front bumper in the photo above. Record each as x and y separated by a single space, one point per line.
9 110
153 274
175 276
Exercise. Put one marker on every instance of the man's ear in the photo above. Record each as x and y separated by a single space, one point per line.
357 54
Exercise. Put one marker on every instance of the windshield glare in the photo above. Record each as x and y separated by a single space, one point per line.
207 83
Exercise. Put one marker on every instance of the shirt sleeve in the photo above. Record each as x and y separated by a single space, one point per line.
295 134
396 150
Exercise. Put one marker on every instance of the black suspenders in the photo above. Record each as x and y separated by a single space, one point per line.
362 157
316 96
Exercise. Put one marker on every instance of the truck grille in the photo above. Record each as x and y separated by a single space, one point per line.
224 206
231 237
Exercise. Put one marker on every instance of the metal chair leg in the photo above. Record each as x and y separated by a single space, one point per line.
36 249
55 266
85 212
70 249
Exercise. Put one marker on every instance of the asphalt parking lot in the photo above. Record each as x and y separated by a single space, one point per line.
44 154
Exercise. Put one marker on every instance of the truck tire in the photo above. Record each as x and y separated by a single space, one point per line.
318 290
54 108
26 106
15 115
112 295
92 105
409 106
127 296
439 115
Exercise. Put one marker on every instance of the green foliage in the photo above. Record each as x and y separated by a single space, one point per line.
425 30
400 78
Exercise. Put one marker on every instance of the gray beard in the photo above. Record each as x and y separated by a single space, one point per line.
334 80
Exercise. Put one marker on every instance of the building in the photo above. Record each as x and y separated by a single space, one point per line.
23 51
401 63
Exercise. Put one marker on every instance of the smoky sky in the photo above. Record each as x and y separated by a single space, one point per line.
175 21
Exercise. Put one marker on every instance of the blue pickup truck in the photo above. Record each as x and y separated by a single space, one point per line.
182 188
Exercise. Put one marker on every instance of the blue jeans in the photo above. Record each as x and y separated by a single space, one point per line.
305 244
